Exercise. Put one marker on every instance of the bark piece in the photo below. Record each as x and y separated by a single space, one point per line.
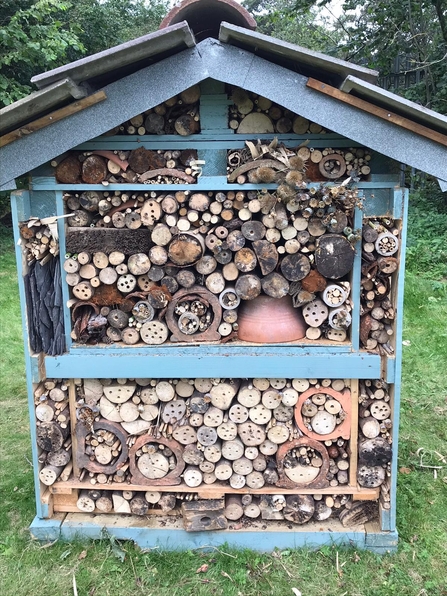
141 160
109 240
94 169
266 254
68 171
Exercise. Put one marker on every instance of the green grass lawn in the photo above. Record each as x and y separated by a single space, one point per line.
418 569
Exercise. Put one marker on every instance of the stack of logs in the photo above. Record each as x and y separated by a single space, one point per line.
273 432
140 166
53 431
379 263
39 242
240 436
252 113
375 438
307 163
204 253
178 115
218 514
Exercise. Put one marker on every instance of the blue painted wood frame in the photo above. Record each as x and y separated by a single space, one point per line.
402 201
217 360
82 527
207 183
222 362
21 211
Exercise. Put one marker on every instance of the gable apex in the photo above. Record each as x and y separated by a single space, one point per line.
231 65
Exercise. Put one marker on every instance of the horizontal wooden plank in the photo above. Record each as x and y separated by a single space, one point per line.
190 362
228 137
205 183
38 102
55 116
375 110
217 490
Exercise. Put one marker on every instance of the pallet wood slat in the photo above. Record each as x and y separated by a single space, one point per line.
366 106
55 116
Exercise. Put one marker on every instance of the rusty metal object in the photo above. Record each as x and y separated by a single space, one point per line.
320 481
341 430
93 466
194 293
172 478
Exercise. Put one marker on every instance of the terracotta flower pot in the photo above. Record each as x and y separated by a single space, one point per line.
270 320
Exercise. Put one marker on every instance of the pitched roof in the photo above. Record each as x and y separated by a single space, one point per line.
168 61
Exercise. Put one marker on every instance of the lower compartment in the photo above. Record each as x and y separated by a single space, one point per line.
167 533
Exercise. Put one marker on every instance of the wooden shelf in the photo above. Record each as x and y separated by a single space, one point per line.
217 490
270 361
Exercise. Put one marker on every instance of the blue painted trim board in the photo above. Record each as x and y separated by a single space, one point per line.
193 363
82 527
20 210
204 183
226 135
47 530
398 356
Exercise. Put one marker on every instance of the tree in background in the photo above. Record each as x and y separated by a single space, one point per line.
308 27
374 33
107 23
38 35
34 36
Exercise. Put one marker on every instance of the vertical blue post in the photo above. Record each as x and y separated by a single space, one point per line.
213 121
401 209
21 211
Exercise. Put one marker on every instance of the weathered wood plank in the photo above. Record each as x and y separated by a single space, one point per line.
366 106
55 116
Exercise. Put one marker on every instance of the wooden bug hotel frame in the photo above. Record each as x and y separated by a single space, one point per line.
211 261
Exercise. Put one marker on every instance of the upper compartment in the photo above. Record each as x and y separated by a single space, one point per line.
270 262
